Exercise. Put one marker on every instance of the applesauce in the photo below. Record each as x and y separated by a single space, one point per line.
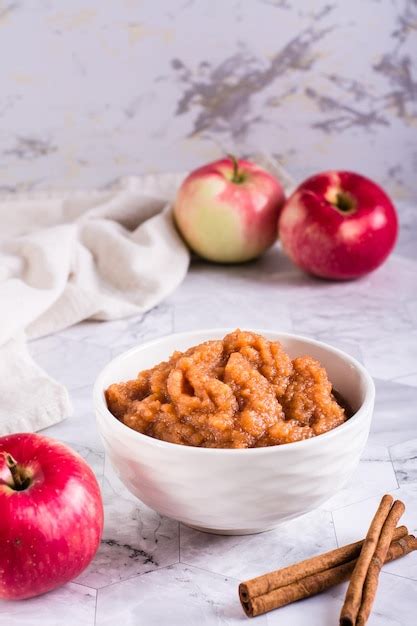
239 392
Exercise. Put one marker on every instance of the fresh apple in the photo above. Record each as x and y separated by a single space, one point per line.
227 211
338 225
51 515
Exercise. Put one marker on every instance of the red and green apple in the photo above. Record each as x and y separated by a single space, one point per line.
227 211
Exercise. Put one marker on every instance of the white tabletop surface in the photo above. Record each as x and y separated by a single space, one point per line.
149 571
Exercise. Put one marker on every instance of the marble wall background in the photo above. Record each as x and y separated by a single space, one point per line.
91 90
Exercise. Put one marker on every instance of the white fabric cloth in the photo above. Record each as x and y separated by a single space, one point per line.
70 256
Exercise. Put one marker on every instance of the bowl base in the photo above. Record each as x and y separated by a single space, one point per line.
233 531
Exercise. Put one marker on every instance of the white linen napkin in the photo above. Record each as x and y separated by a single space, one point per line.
70 256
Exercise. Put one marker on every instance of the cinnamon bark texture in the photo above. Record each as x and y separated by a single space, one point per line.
364 580
312 576
280 578
377 561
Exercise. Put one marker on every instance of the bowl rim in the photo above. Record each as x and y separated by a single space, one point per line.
103 413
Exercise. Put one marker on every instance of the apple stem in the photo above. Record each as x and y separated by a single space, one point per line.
20 482
345 202
237 177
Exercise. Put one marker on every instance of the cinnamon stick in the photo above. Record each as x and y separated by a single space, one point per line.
318 581
280 578
353 597
377 561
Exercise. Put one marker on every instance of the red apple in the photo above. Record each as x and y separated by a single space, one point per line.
51 515
227 211
338 225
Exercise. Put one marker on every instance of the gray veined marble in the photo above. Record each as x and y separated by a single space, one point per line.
119 335
101 90
394 356
176 595
76 604
80 428
375 475
395 415
142 553
353 316
73 363
98 90
248 556
409 379
93 456
404 460
135 540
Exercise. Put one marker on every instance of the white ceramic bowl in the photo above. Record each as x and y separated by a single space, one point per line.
236 491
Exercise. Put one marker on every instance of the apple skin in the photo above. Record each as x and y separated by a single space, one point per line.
338 244
226 221
50 531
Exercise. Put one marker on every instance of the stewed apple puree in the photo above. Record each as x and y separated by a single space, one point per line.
240 392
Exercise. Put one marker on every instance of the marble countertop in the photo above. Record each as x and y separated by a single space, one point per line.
151 571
